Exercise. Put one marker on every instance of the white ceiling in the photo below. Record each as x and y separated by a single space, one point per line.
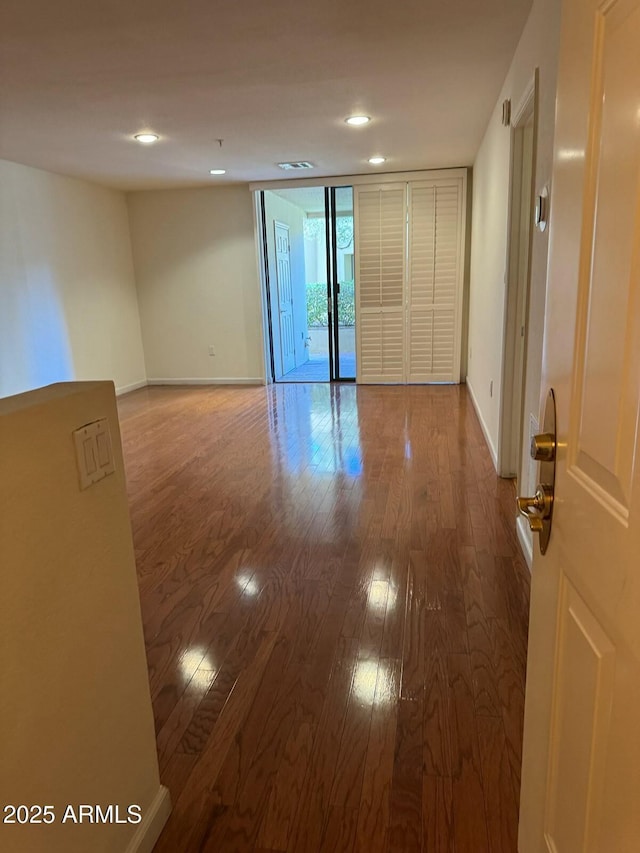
273 78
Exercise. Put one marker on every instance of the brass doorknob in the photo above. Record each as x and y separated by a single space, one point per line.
535 522
536 509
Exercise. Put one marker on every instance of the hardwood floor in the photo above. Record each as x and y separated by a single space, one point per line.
335 611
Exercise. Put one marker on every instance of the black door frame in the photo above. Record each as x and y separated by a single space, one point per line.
333 284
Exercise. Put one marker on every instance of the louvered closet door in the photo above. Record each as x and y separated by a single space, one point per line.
380 223
434 281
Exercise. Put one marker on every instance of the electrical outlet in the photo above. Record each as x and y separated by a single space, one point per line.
212 350
491 388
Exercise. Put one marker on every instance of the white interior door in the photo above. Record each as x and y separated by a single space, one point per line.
285 297
581 761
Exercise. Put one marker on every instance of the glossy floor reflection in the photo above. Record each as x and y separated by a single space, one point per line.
335 612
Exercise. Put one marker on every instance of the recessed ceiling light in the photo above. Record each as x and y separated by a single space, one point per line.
217 171
146 138
358 120
375 161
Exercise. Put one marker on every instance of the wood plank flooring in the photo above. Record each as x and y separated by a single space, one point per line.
335 612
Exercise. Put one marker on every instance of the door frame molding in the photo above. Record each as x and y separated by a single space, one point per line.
510 428
262 265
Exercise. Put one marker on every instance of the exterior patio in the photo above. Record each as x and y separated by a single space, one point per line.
316 369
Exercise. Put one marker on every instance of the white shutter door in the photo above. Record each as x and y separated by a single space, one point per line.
435 281
380 226
422 238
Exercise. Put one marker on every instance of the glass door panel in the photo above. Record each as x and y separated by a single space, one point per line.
345 303
308 233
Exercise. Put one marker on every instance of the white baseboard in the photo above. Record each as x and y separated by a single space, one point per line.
485 431
125 389
152 824
525 539
225 380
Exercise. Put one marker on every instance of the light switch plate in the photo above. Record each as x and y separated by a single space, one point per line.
94 453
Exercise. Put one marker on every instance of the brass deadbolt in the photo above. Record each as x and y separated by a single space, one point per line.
543 447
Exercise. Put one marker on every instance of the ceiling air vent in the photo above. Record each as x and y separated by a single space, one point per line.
301 164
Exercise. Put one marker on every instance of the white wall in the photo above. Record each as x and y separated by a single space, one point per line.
75 709
538 48
68 307
198 286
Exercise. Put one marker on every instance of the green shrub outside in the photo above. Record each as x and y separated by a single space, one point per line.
317 304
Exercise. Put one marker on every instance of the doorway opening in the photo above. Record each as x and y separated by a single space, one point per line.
308 271
514 365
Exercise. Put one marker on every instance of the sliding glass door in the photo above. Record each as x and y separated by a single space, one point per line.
308 244
340 278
